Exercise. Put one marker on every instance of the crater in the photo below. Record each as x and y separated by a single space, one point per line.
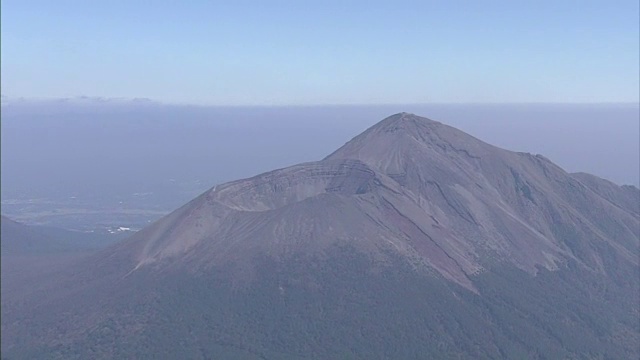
283 187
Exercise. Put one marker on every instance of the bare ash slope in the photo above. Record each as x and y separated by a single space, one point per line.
410 185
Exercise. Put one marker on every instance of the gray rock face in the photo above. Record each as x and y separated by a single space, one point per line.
409 185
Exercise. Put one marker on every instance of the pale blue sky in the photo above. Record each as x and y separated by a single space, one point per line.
324 52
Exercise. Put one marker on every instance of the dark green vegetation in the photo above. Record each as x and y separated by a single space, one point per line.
349 308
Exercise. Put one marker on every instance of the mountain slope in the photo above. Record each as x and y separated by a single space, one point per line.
412 185
30 252
461 174
20 239
413 240
625 197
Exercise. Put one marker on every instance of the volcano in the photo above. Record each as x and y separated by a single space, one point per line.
414 240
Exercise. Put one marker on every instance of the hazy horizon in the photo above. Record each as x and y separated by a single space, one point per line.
109 153
32 103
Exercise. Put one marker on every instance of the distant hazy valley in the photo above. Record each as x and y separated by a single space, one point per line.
105 211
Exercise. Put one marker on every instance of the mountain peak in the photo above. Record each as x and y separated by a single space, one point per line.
389 133
404 121
391 144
